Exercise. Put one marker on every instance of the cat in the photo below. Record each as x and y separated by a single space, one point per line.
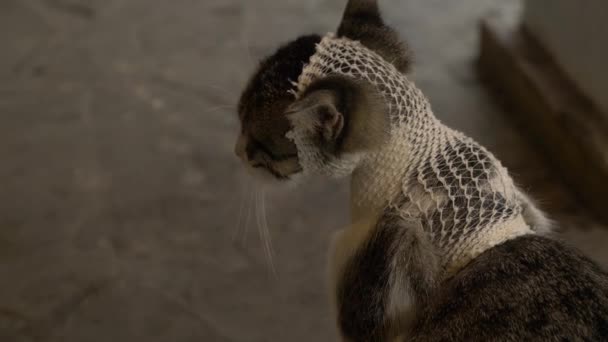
443 246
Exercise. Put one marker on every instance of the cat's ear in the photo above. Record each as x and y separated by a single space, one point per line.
344 114
318 111
362 21
363 11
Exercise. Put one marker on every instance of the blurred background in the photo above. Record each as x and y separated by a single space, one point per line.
125 216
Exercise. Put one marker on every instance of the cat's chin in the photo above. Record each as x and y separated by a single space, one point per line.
267 180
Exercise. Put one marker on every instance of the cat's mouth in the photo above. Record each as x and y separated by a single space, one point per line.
281 172
264 163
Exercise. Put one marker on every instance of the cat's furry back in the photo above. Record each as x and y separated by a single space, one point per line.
531 288
528 289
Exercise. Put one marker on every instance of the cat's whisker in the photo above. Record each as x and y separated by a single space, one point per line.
258 220
248 49
216 108
194 89
230 94
232 106
263 230
237 230
251 196
245 40
267 229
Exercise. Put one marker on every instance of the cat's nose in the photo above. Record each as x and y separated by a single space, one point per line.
241 147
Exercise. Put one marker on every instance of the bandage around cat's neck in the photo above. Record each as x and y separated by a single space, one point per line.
456 190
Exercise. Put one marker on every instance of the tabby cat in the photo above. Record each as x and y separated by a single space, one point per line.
442 246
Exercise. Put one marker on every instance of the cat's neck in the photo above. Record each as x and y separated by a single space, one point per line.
379 178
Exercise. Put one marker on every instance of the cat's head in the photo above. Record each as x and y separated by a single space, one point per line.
339 119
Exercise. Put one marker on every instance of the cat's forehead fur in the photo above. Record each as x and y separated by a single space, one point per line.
272 82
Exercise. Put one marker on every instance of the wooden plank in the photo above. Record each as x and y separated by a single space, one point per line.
555 114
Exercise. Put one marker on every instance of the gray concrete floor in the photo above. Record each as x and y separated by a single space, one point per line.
124 215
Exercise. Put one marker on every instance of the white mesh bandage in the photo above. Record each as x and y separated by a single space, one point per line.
454 188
